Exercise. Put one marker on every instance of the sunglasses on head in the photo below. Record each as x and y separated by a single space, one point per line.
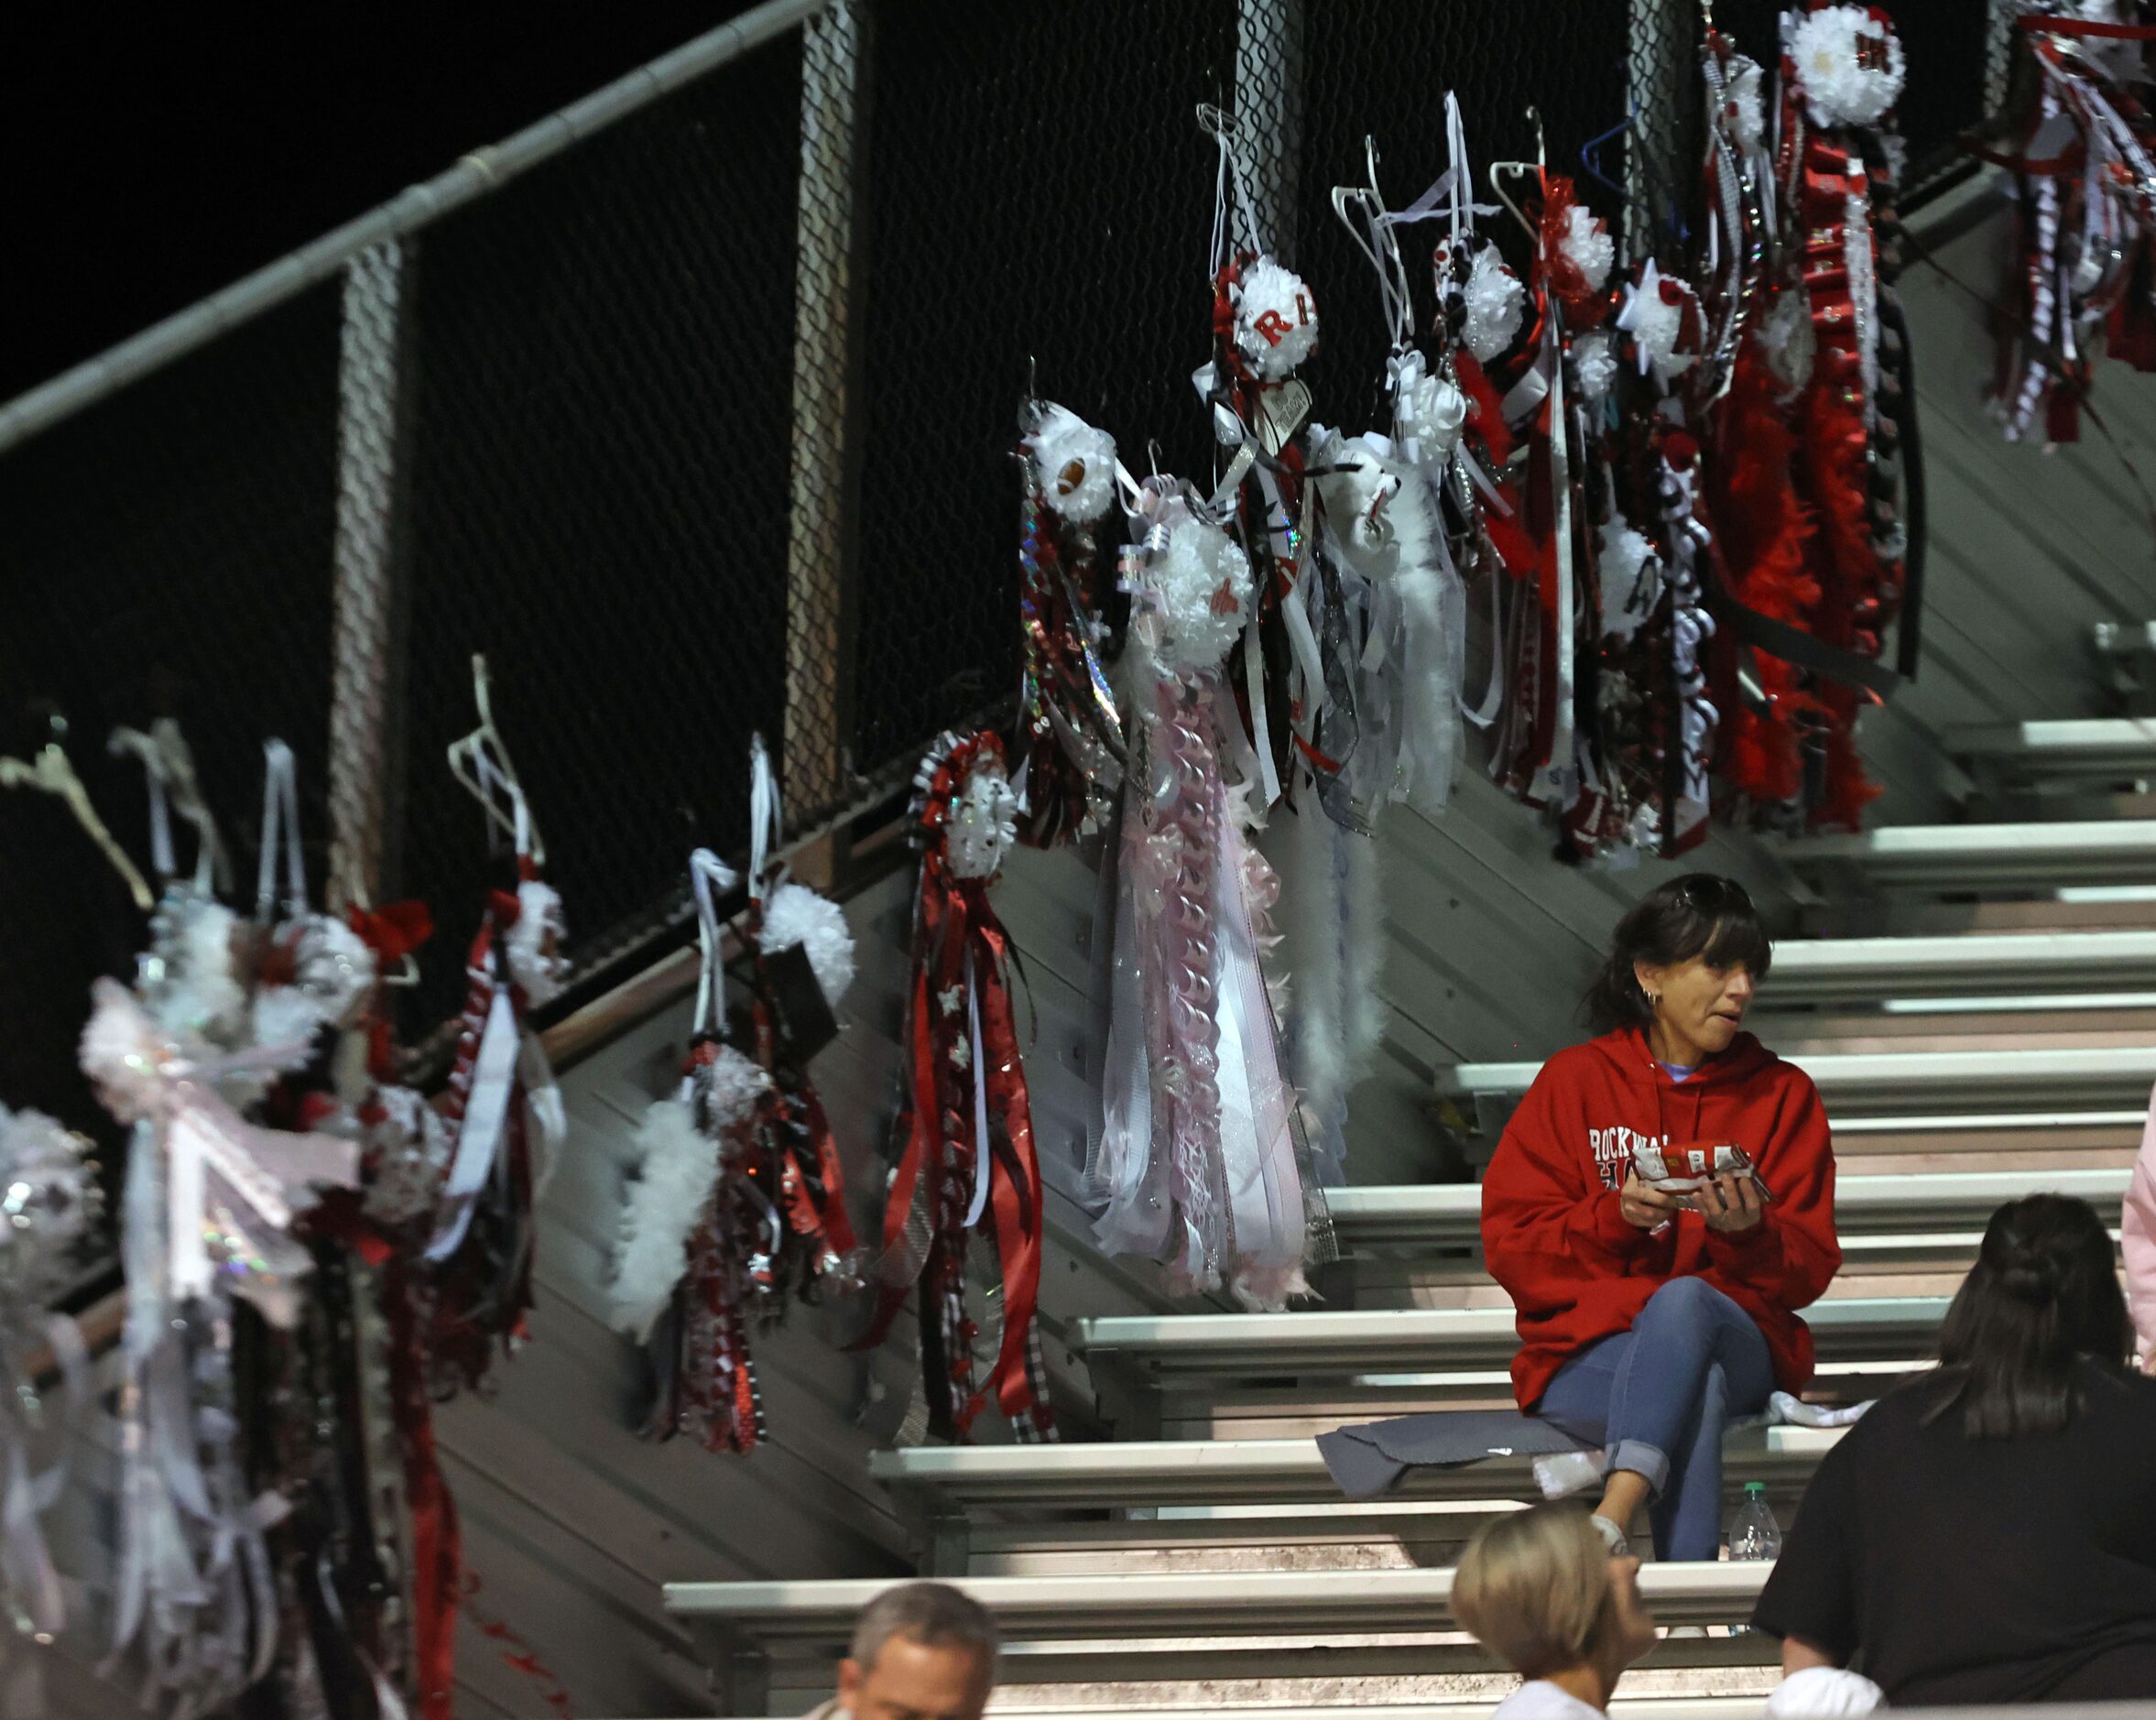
1710 895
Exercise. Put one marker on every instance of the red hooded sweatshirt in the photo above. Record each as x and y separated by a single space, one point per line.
1555 1239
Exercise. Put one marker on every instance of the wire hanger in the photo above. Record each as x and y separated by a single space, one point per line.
481 762
52 773
1375 233
1500 171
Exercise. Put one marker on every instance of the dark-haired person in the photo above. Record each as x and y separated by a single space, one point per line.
1988 1532
1646 1320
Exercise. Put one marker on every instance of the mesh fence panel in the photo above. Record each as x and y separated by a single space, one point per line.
705 423
598 459
1035 190
166 551
1383 77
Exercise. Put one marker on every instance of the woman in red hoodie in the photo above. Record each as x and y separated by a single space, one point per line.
1646 1320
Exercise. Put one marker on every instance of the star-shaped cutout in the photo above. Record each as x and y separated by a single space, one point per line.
948 999
962 1055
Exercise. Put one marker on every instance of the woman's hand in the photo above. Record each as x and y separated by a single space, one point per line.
1729 1201
1646 1207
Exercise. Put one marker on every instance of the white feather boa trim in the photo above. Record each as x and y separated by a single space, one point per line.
678 1169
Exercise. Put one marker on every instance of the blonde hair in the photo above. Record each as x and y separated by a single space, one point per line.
1535 1586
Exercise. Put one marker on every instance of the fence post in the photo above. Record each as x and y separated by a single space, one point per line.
1268 112
363 628
1663 83
1998 53
819 571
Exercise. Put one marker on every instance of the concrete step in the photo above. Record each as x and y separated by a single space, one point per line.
2086 751
1067 1630
2066 1082
2041 857
1842 970
1889 1210
1334 1343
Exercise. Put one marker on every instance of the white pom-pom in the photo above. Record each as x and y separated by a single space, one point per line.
1430 412
1076 466
49 1205
333 970
534 955
1786 339
122 1054
1357 498
1276 319
1199 587
193 987
1654 317
677 1167
407 1155
1594 365
795 914
1745 88
1850 63
1497 300
1587 245
727 1089
1624 558
983 823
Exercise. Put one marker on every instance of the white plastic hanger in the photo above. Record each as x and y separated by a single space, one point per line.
1502 171
481 762
52 773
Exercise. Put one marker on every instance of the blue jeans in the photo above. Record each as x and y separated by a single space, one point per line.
1658 1398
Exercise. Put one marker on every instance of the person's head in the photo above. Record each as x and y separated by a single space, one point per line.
1689 953
2042 1297
920 1652
1539 1589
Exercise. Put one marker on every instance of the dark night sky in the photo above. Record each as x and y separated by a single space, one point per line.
151 156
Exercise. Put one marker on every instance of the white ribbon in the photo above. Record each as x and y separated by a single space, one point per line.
766 816
980 1071
487 1113
1559 778
709 877
1263 1182
280 809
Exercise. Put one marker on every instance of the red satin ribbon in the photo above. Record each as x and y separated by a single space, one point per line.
959 945
1015 1192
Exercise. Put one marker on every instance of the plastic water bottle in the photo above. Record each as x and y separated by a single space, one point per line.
1754 1534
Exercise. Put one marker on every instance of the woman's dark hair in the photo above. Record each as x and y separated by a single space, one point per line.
2041 1300
1698 914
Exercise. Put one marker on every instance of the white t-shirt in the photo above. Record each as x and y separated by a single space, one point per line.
1539 1699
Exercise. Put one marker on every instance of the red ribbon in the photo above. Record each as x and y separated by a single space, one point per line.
960 948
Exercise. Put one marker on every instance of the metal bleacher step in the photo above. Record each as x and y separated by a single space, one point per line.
1208 1473
2082 750
1428 1342
1887 1209
1069 1629
1672 1707
2001 857
1850 969
2062 1082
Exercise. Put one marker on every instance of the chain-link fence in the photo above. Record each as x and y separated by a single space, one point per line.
694 409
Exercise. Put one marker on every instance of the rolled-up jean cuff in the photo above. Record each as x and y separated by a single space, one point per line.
1642 1460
